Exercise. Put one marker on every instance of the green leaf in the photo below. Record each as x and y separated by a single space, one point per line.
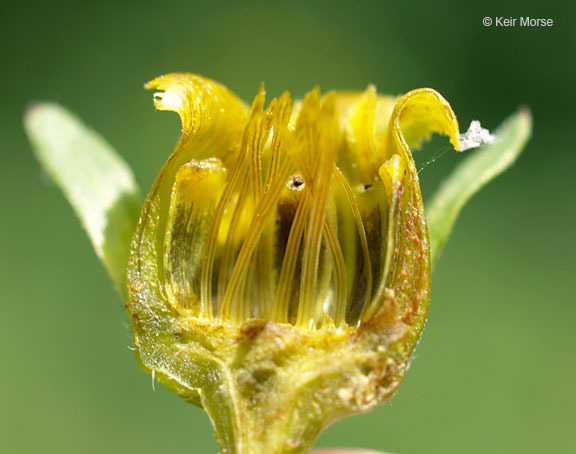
95 180
471 175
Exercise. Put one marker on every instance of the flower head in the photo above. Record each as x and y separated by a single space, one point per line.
280 271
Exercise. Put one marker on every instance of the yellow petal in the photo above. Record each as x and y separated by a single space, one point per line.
194 197
212 122
405 280
417 115
364 117
212 116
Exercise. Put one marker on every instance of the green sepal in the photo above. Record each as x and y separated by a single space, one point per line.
96 181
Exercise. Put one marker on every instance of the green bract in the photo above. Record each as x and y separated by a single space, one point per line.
279 274
96 181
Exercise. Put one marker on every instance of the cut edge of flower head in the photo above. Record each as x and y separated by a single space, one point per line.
279 275
317 254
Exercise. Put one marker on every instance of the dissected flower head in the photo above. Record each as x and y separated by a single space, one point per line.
280 272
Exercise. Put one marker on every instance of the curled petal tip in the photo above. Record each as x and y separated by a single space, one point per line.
422 112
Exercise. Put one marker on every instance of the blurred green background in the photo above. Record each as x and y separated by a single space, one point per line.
496 369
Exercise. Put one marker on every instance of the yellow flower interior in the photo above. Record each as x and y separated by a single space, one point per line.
286 212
